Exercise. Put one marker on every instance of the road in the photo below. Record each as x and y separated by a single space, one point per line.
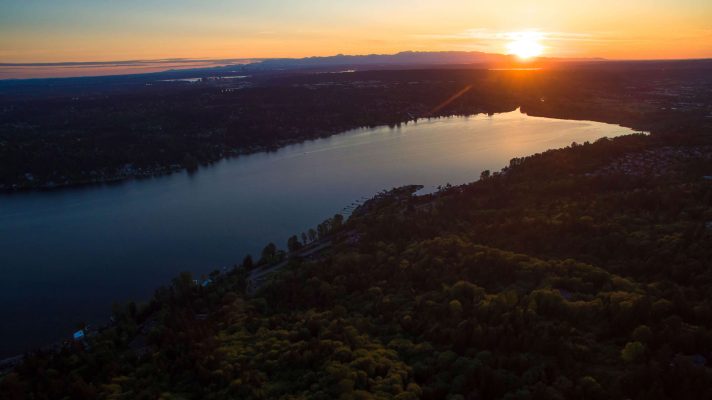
259 276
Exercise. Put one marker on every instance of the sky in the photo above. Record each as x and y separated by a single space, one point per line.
35 31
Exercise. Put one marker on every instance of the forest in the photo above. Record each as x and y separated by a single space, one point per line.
582 272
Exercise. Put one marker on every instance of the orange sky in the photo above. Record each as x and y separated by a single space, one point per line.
82 30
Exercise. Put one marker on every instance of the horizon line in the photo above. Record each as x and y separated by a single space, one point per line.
217 59
96 69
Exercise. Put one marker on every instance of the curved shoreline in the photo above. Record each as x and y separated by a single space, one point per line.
234 153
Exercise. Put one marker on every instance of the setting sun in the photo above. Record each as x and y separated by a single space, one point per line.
525 45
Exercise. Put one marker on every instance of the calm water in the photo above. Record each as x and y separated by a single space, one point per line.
67 255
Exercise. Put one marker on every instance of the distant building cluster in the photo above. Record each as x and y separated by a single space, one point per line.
655 163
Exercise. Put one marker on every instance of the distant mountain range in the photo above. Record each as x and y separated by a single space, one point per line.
402 58
405 58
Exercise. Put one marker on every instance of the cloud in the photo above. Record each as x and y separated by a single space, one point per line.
483 34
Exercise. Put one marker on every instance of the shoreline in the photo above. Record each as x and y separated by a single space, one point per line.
227 154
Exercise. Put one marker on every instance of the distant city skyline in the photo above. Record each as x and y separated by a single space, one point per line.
81 30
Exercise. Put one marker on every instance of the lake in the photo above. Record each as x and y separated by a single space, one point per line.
67 255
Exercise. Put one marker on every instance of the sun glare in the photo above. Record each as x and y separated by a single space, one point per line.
525 45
